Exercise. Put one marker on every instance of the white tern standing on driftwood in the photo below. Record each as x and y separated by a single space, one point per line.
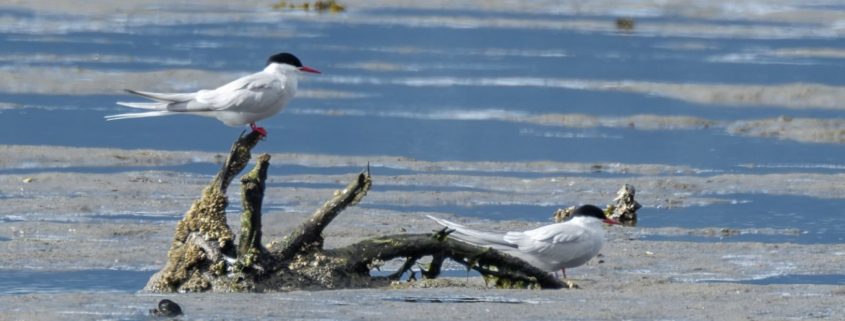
243 101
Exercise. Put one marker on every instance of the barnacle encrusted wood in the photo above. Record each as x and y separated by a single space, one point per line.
623 209
204 257
203 237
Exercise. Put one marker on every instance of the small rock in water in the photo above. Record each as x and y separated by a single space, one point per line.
166 308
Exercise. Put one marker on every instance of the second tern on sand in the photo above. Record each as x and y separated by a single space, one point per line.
551 248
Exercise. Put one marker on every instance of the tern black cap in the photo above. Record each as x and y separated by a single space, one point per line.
589 210
284 58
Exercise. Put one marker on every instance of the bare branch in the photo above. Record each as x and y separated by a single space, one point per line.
309 234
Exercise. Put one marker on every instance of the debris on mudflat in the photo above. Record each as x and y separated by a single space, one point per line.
319 6
625 24
166 308
562 214
624 207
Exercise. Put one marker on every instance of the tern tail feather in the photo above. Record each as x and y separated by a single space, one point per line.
139 115
476 237
163 97
151 106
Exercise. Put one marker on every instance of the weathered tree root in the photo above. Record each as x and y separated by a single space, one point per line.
309 235
204 256
504 270
203 241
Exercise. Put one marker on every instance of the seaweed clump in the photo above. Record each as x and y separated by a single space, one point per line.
321 6
625 24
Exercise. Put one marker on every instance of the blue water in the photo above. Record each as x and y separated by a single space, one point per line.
838 279
820 220
832 279
136 217
421 139
207 169
30 281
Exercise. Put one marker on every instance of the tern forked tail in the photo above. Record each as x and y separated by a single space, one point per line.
139 115
480 238
159 107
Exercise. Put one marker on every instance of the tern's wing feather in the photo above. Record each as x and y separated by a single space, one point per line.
243 94
545 237
476 237
163 97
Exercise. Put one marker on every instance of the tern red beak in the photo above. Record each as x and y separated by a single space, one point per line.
309 69
611 221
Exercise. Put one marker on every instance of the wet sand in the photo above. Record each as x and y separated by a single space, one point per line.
124 220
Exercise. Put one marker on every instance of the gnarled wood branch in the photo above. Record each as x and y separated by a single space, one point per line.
250 249
203 239
204 257
506 270
310 233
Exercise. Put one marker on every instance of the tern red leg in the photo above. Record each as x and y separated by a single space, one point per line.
261 131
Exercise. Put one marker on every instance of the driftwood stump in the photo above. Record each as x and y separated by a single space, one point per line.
624 208
204 256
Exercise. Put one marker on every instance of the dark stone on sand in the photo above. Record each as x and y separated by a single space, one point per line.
166 308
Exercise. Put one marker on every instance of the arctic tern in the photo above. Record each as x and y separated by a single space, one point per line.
243 101
551 248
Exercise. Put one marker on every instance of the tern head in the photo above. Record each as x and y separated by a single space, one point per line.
594 212
288 59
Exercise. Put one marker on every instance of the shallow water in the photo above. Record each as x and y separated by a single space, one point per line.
401 82
817 220
31 281
35 281
800 279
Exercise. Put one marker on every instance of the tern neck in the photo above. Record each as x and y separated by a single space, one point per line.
284 69
586 221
